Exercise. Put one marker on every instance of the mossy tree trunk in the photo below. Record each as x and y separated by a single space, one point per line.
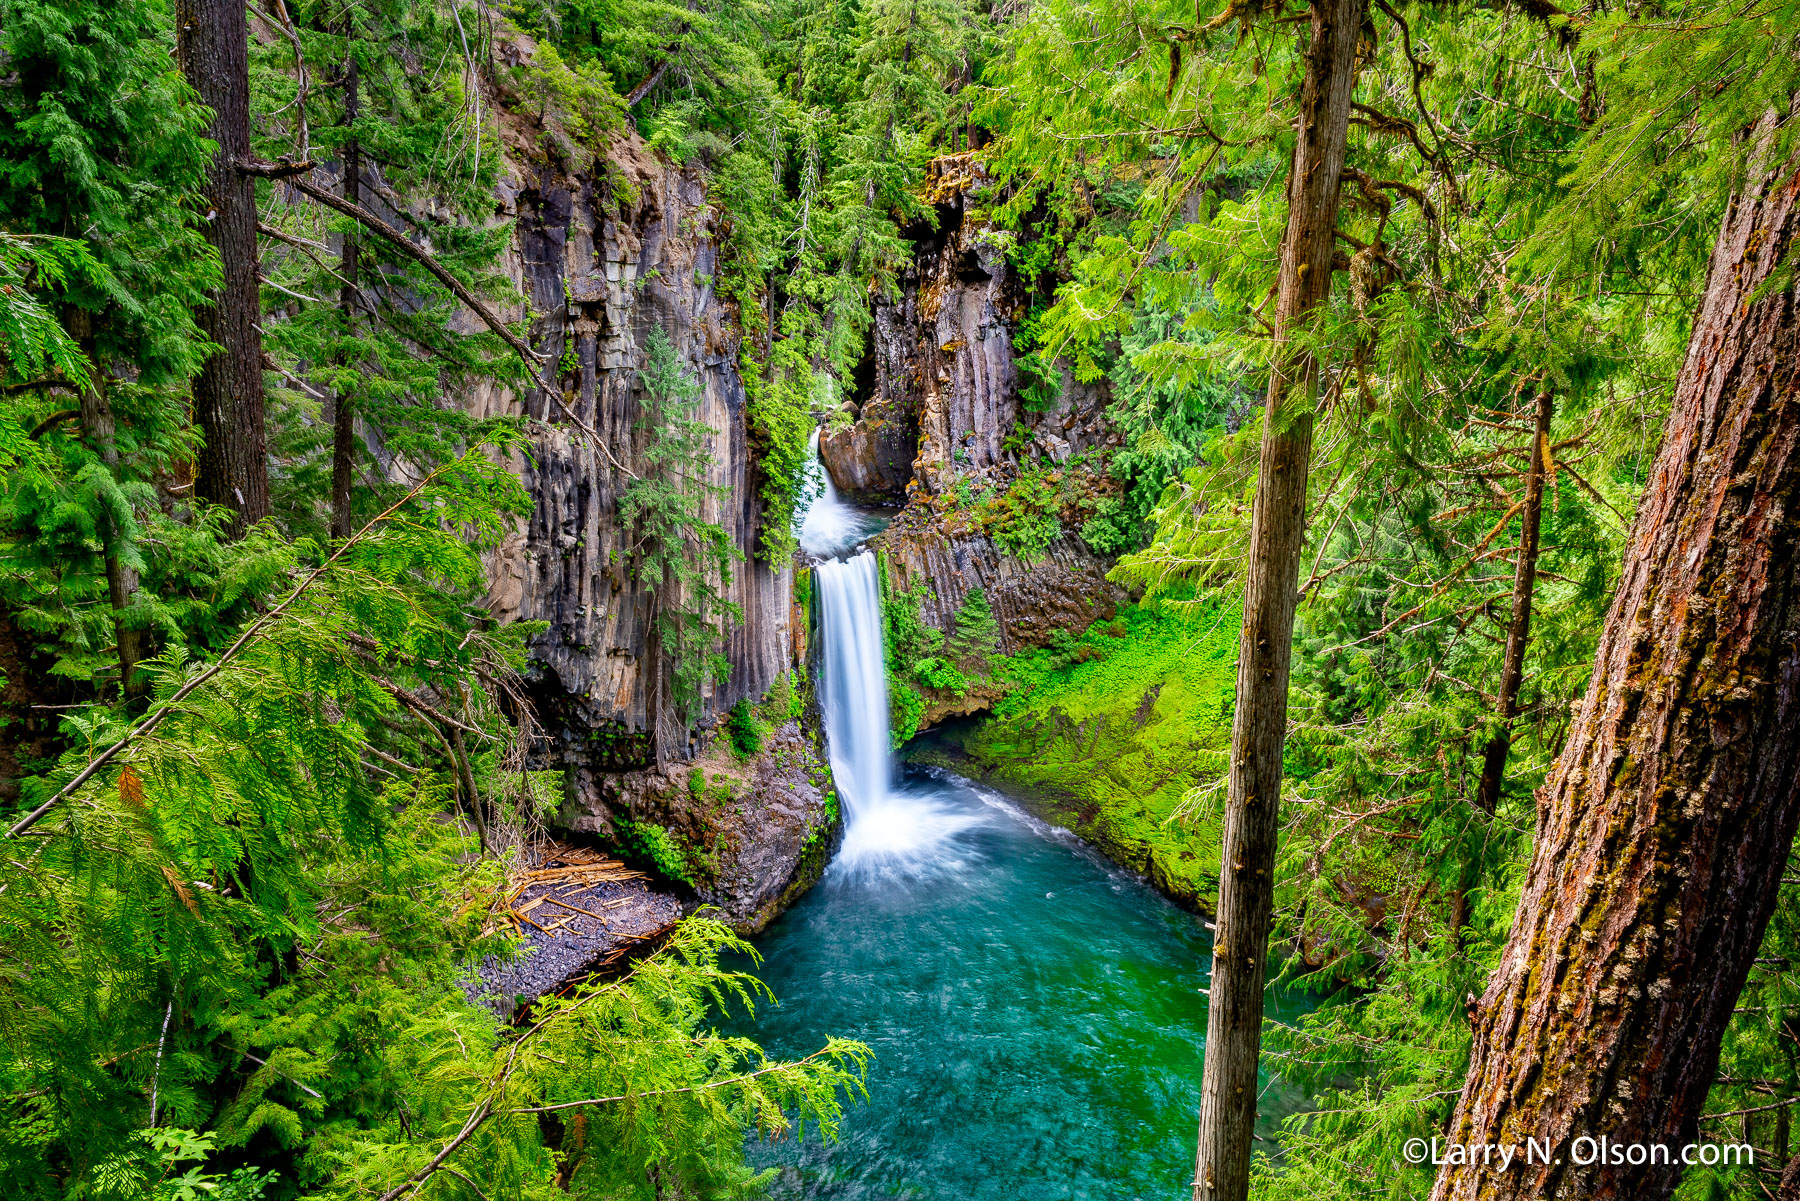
101 429
1265 646
1666 822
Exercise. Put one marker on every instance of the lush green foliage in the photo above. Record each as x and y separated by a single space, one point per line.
1528 207
250 888
1114 729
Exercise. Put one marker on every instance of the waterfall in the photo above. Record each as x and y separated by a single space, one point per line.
883 826
830 527
852 680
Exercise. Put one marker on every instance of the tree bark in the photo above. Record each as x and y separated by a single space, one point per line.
1265 645
233 469
343 417
1790 1181
1518 633
1666 822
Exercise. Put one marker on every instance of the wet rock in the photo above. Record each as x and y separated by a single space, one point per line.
870 460
753 834
591 931
1065 589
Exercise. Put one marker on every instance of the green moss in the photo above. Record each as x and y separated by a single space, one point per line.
1113 731
656 845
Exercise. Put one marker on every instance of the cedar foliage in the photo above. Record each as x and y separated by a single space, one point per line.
248 887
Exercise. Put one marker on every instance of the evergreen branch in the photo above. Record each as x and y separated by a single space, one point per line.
669 1092
48 381
47 424
411 1184
162 711
533 361
302 244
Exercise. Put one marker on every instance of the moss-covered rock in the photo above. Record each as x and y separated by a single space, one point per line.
746 833
1111 734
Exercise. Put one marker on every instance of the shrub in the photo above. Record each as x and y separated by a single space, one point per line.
1025 519
939 673
1111 531
656 845
743 729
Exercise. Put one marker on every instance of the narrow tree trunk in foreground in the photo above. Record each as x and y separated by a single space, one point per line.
1265 645
98 424
1512 673
1518 633
233 469
1665 824
343 420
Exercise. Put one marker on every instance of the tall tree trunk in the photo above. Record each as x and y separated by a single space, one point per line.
121 578
233 468
1518 633
343 418
1265 645
1666 822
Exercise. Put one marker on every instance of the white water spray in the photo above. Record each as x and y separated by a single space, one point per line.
882 827
830 526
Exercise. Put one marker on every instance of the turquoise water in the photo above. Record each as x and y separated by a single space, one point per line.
1035 1014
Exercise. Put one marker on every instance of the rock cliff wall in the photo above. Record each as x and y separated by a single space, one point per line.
603 258
1066 589
945 379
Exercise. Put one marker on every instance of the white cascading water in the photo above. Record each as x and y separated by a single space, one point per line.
830 526
882 827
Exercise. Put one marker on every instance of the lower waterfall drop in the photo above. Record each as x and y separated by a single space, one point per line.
882 827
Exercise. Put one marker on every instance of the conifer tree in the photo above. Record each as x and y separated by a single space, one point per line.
102 146
977 632
683 559
1669 815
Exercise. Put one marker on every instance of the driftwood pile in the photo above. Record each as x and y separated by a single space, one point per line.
579 913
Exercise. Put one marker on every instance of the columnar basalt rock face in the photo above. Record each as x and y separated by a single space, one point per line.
603 258
945 392
1066 589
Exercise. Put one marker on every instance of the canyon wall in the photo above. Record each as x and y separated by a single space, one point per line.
604 258
946 402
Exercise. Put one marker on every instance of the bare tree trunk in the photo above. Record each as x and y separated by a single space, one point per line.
1518 633
1666 822
233 467
121 578
1512 673
343 418
1265 646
